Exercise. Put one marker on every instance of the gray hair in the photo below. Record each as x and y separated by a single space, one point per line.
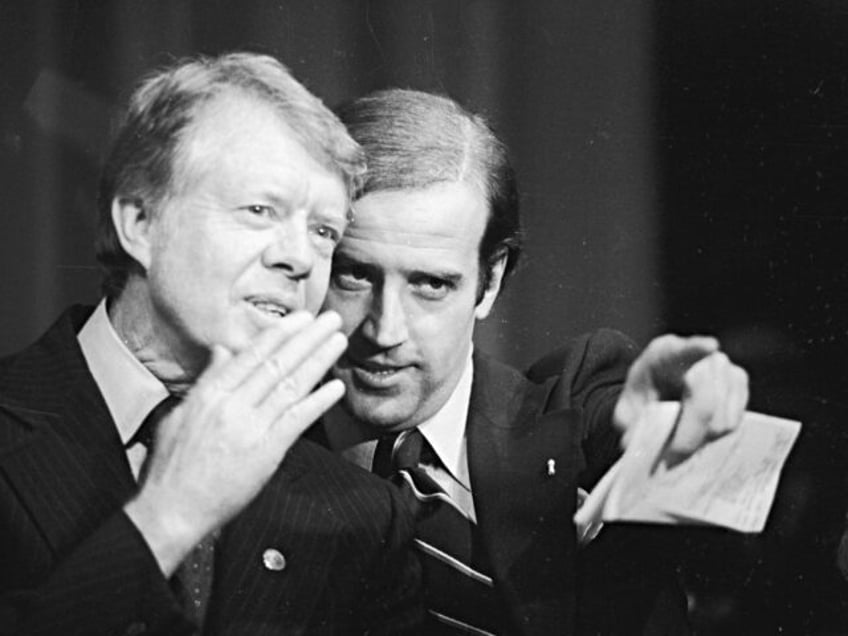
143 164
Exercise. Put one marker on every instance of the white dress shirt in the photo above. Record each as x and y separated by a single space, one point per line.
130 391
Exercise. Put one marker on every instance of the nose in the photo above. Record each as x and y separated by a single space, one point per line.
386 324
291 250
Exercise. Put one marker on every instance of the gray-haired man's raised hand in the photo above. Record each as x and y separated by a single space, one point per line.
222 443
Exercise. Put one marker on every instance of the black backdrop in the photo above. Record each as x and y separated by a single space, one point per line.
752 128
681 165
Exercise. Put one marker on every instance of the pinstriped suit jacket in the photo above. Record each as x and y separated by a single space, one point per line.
72 563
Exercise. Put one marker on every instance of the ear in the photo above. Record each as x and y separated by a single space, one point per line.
132 222
497 267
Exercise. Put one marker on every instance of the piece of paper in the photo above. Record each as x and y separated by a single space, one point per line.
729 482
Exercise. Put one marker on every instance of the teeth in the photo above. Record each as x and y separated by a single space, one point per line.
269 308
379 371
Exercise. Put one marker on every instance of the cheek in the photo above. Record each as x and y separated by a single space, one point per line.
315 288
191 259
447 336
174 269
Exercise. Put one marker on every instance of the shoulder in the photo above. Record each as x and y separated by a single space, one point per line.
35 381
364 513
595 351
345 489
43 367
587 374
22 402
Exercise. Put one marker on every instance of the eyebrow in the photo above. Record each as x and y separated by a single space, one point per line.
449 277
341 257
322 214
281 197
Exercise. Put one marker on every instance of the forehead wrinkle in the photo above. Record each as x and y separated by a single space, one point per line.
440 223
213 129
285 188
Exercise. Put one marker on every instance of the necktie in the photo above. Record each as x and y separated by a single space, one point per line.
459 591
192 581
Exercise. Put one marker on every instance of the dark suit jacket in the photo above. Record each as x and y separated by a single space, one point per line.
71 562
561 410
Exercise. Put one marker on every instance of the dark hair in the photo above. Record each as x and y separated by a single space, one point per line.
143 162
414 139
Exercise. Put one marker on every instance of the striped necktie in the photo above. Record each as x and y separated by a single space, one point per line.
459 592
192 581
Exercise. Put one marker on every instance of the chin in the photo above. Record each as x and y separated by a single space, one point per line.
379 413
238 337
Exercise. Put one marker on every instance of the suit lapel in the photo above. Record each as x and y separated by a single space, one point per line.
524 513
65 459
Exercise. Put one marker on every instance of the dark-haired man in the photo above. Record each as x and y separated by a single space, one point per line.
151 477
493 460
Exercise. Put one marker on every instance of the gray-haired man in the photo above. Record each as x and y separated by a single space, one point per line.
221 204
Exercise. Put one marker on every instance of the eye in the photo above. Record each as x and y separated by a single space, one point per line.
328 232
433 287
350 277
258 209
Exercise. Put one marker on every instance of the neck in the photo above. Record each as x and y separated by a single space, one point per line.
132 317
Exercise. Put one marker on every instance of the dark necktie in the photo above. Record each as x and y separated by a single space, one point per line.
458 588
192 581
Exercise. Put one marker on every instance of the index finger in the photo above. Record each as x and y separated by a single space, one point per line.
659 372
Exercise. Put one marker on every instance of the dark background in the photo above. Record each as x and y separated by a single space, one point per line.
682 166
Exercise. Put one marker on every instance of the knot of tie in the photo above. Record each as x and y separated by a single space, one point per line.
460 587
146 433
402 451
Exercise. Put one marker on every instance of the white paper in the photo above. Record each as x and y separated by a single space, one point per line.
729 482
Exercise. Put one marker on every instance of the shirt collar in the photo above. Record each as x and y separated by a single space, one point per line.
128 388
445 431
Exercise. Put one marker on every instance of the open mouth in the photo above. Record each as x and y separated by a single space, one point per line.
270 308
378 369
373 375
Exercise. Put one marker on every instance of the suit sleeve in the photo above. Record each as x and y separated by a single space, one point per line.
392 598
591 371
108 584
